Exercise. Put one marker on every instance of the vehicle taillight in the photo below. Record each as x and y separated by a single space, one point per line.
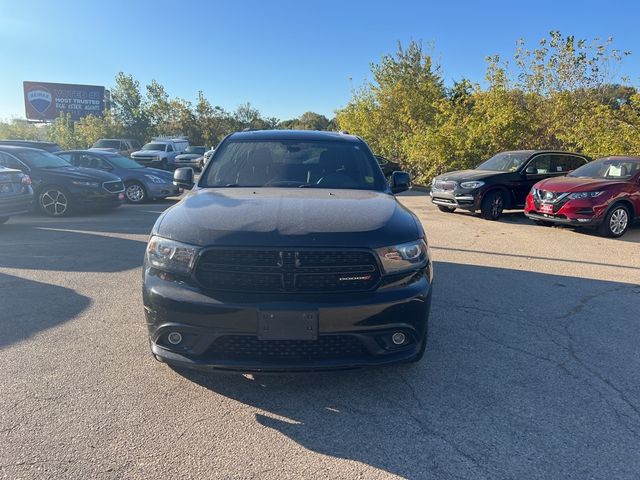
26 180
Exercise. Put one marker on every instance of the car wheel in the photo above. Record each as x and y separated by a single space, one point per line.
442 208
616 222
54 201
135 192
164 165
492 205
542 223
4 220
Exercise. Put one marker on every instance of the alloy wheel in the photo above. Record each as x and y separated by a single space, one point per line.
54 202
134 193
618 221
497 206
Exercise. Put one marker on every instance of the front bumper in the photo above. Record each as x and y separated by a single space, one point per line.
221 331
465 199
86 199
162 190
575 213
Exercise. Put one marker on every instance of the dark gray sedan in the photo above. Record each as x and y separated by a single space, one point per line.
141 183
192 157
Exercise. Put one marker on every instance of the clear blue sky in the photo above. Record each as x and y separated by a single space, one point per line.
284 57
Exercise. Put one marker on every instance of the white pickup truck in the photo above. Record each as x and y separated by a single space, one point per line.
161 152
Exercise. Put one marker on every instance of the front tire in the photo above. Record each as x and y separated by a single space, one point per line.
444 209
54 201
616 222
164 165
135 192
492 205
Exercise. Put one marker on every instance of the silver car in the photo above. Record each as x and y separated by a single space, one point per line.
192 157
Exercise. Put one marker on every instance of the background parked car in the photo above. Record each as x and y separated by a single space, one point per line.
603 194
60 187
123 146
387 166
16 194
502 182
192 157
140 182
48 146
161 152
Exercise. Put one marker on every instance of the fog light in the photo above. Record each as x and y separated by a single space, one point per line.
174 338
398 338
584 220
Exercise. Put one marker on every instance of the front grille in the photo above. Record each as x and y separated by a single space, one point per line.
243 347
113 187
295 271
445 185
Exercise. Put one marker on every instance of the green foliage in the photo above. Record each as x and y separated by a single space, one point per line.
560 95
21 129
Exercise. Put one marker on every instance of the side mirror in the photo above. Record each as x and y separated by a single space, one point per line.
531 171
399 182
183 177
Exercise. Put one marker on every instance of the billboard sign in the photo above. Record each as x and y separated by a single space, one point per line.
46 101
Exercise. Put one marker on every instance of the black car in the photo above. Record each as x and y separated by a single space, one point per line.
16 193
47 146
502 182
387 166
290 253
60 187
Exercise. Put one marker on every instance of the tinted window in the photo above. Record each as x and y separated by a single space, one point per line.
41 159
294 164
542 163
108 144
196 150
9 162
91 161
505 162
69 157
169 148
154 146
124 162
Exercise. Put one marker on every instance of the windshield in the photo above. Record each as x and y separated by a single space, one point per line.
275 163
41 159
154 146
608 168
108 144
124 162
196 150
505 162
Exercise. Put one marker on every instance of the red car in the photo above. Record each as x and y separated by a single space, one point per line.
604 194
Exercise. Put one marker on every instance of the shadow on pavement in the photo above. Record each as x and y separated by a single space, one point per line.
51 306
526 375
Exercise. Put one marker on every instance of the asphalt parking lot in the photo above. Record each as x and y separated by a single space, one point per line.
532 368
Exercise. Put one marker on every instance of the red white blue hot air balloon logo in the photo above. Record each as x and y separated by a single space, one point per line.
39 98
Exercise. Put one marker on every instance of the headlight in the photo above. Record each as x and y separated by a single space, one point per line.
407 256
171 256
157 158
472 185
155 179
577 195
81 183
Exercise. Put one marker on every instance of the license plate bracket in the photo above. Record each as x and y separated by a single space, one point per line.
287 325
546 208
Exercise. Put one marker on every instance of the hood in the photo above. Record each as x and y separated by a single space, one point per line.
288 217
147 153
468 175
575 184
80 173
188 156
157 172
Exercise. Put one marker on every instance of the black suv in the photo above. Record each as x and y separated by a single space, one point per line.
502 182
290 253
